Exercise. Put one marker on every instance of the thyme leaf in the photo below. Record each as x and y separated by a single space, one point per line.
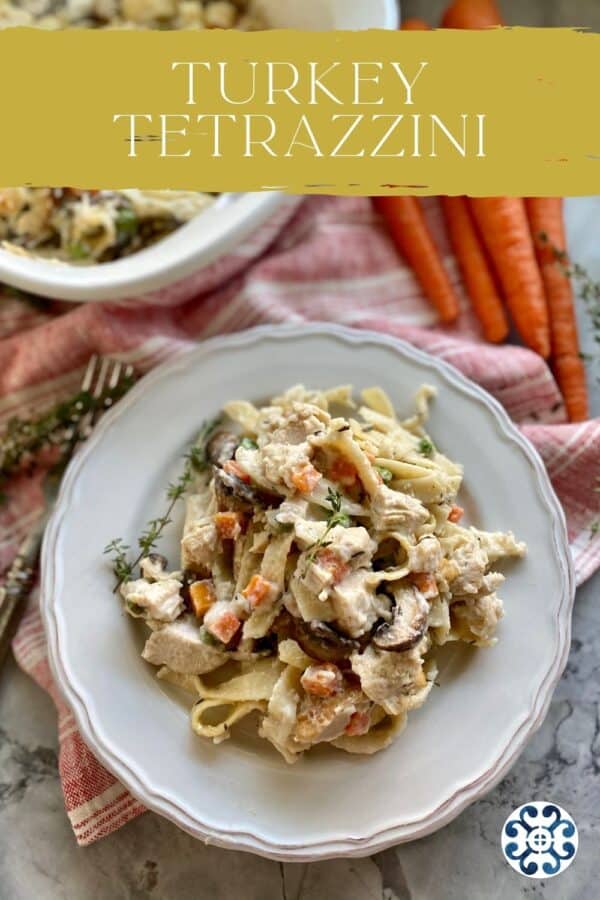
195 462
586 289
335 517
25 439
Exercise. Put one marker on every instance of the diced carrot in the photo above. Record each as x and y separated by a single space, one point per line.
233 468
259 591
224 627
456 514
306 478
332 561
343 471
425 582
202 594
359 724
323 680
229 525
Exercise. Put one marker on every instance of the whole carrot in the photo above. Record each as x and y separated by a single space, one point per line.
470 254
503 225
502 221
547 227
475 269
408 228
414 24
472 14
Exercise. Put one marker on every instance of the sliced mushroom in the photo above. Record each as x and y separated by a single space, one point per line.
408 624
221 447
233 493
322 642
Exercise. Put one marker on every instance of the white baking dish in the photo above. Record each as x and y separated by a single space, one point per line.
216 231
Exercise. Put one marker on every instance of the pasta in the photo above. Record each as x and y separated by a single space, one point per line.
323 561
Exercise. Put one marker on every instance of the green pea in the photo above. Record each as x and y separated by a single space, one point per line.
78 250
386 475
127 222
207 638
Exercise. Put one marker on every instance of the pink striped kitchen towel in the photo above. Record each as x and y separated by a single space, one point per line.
331 261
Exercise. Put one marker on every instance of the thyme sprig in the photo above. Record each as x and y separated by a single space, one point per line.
24 440
195 462
41 304
335 517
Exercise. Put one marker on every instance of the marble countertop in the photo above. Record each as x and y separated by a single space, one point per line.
151 858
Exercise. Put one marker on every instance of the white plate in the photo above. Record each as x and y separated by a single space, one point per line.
242 794
218 230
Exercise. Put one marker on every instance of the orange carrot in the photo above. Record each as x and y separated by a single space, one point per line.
456 513
548 230
503 225
502 221
233 468
414 25
570 374
408 228
475 269
472 14
403 216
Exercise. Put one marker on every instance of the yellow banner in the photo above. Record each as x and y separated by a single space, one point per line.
505 111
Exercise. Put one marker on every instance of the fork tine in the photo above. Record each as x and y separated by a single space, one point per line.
101 373
115 375
112 373
88 377
93 382
102 376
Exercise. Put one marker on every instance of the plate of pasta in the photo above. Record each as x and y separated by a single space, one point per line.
348 598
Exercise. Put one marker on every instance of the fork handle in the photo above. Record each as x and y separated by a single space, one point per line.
17 585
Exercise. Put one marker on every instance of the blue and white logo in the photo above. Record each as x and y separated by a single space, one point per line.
539 840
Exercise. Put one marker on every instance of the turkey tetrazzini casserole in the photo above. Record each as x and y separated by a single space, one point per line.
322 562
98 226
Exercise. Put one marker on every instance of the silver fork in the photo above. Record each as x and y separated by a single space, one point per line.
100 375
